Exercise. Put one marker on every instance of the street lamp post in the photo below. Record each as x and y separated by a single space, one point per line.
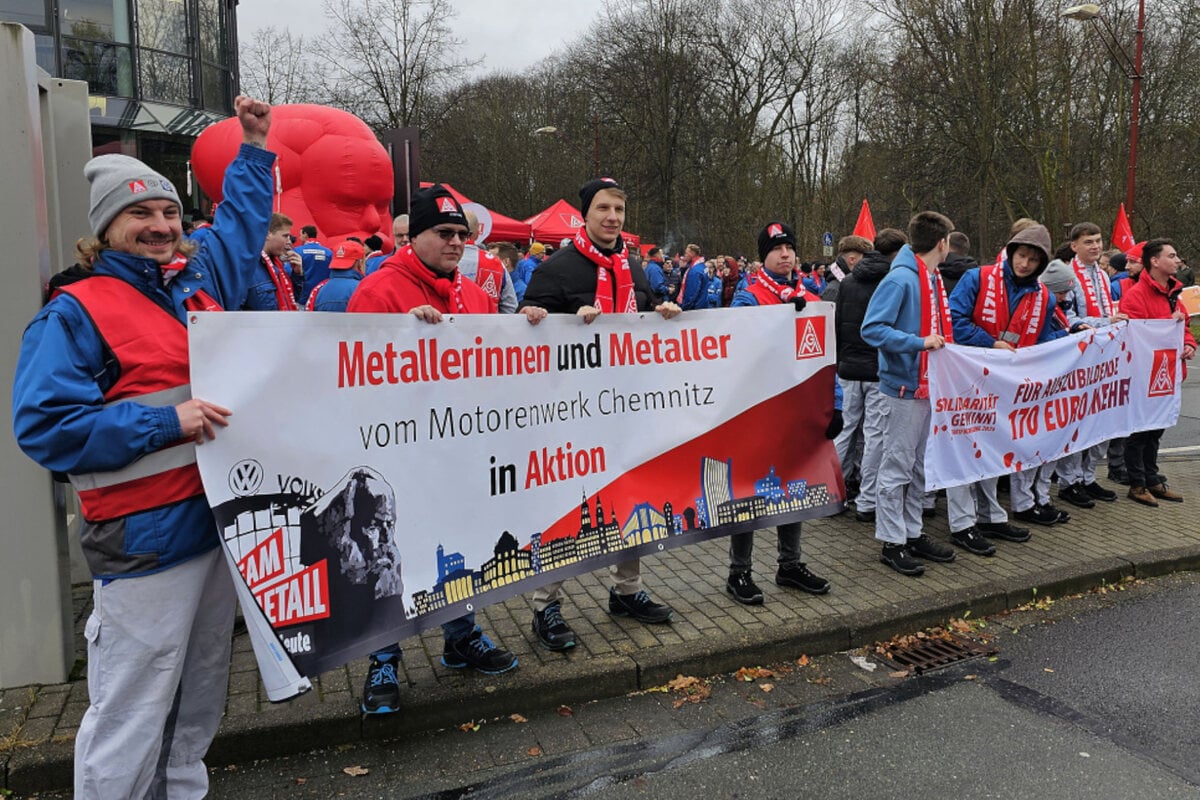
553 131
1133 71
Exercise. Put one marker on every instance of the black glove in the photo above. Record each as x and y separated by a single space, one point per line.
835 425
799 302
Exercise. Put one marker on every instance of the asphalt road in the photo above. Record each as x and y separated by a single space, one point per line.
1093 697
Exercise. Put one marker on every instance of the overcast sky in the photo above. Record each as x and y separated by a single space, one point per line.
506 34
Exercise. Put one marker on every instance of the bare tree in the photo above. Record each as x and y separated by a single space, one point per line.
278 68
391 62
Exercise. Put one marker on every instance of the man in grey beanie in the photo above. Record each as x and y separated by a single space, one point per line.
101 393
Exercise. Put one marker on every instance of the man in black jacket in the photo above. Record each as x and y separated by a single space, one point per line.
569 283
858 372
958 262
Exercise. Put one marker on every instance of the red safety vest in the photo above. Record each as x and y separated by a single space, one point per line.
153 355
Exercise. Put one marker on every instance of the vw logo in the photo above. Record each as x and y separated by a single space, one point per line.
245 477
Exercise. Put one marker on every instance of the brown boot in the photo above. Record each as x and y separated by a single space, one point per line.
1161 491
1139 494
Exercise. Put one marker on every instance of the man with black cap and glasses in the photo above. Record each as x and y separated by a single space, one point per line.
589 277
423 279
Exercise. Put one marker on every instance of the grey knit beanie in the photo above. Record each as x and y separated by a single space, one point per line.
119 181
1058 277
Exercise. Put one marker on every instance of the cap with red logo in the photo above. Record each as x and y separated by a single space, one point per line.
773 235
1135 253
434 206
346 254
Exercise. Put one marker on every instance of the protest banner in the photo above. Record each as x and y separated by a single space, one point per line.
381 475
995 412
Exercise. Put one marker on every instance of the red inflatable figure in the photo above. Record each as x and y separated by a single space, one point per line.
332 172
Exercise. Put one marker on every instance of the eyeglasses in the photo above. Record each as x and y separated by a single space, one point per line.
449 234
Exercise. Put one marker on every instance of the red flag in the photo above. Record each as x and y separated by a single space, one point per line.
865 226
1122 235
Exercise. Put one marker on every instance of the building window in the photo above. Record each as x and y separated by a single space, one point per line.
107 68
165 77
33 14
216 89
162 25
99 20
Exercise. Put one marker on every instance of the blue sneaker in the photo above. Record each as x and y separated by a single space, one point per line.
381 692
479 653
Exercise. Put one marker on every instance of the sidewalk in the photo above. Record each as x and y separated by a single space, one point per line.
711 633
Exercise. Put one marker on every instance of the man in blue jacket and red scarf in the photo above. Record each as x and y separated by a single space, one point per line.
101 393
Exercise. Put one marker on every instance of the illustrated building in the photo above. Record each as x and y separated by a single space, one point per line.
508 564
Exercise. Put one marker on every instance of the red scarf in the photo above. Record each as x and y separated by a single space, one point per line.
784 292
448 287
1098 305
933 296
1019 328
285 298
622 299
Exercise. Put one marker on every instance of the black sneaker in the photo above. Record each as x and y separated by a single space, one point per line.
551 629
865 516
924 547
1063 516
1076 495
479 653
1003 530
972 542
898 558
1038 515
639 606
1100 493
741 587
799 576
1119 476
381 692
929 513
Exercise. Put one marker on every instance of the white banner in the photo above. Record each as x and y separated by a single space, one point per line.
381 475
995 412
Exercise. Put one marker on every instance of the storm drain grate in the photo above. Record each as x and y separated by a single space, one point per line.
928 654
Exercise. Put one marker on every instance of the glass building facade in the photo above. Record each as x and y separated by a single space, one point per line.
158 71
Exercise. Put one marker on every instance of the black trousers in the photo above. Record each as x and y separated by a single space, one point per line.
1141 457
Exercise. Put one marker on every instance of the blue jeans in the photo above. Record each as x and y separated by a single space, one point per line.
452 631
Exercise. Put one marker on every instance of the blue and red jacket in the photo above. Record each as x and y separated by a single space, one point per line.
66 413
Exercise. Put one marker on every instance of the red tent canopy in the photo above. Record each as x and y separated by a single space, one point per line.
504 229
558 222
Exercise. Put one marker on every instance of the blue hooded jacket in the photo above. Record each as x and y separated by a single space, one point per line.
60 417
893 326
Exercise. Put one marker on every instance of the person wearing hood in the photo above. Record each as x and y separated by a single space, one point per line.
1001 306
907 317
858 371
958 263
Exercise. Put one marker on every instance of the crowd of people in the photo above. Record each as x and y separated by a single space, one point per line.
101 394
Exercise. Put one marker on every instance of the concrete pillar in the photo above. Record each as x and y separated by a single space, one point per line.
36 632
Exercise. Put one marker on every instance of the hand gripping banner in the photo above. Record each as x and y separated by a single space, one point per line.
995 412
381 475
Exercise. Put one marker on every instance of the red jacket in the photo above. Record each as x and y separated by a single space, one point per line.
1146 299
402 283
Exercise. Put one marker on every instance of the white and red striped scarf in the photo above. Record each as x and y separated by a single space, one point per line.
1098 304
622 298
935 318
285 298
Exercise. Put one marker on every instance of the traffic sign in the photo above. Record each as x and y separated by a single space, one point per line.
827 239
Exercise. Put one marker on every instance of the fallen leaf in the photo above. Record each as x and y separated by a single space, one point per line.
766 687
356 771
534 751
902 673
682 683
517 718
301 781
753 673
1047 669
803 661
469 727
819 681
565 711
969 677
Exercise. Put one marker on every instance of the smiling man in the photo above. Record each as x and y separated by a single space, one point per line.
102 393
